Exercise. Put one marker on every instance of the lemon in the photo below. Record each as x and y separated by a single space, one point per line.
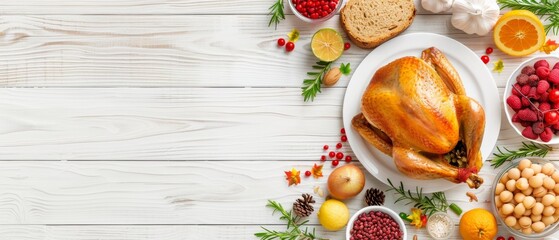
519 33
333 215
327 44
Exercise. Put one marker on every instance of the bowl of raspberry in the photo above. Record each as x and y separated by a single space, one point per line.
315 11
531 100
375 222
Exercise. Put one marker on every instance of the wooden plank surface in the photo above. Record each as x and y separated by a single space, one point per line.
177 51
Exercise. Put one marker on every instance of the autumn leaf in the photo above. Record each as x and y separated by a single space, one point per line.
293 35
498 66
415 218
293 177
549 46
317 171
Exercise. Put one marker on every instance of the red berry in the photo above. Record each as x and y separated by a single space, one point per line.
347 158
339 155
339 145
554 95
289 46
308 173
344 138
325 147
541 63
331 154
342 130
281 42
500 238
542 72
510 238
347 46
322 158
551 117
489 50
485 59
335 163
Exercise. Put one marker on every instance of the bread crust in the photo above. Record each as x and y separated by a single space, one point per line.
356 33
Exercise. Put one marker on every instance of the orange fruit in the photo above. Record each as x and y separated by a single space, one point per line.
519 33
478 224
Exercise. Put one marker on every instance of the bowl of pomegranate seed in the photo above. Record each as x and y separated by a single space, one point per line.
315 11
531 100
375 222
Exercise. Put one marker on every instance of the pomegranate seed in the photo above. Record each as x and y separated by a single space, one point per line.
308 173
347 158
489 50
342 130
325 147
347 46
344 138
281 42
331 154
485 59
322 158
335 163
339 145
289 46
339 155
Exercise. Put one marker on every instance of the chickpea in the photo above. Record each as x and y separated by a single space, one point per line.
538 227
548 200
527 173
525 222
556 203
555 176
510 185
521 184
537 209
520 209
517 226
527 191
517 216
539 192
535 218
499 188
537 168
524 163
548 169
498 202
510 221
529 202
556 188
551 193
504 179
507 209
519 197
535 181
527 230
528 212
514 174
547 211
548 183
505 196
548 220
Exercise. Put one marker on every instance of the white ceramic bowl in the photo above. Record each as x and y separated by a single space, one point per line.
386 210
511 81
318 20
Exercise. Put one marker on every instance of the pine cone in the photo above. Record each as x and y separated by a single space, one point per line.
374 197
302 207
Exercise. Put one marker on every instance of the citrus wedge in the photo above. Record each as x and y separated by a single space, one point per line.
327 44
519 33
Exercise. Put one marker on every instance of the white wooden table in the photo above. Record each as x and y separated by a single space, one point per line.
169 119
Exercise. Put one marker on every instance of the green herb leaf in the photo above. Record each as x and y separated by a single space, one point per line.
311 87
527 149
548 9
436 203
345 69
276 10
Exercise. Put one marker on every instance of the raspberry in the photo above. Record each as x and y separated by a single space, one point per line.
525 102
534 106
525 123
515 118
522 79
555 126
514 90
533 94
514 102
528 70
533 78
544 106
542 72
538 127
556 66
525 90
541 63
527 115
528 133
554 76
543 85
546 135
544 97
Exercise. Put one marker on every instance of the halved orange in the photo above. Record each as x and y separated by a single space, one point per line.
327 44
519 33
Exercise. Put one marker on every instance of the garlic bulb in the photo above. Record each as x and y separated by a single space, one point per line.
436 6
475 16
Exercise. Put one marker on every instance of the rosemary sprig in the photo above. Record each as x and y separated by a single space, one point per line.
527 149
294 229
276 10
436 203
547 8
311 86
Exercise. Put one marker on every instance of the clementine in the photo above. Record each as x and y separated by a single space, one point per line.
478 224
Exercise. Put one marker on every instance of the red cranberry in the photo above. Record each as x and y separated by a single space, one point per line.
339 155
325 147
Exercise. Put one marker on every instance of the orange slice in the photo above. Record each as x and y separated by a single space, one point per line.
327 44
519 33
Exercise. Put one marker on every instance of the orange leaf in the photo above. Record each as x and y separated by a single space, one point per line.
549 46
293 177
317 171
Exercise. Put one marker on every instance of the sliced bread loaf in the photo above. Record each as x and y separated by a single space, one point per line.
368 23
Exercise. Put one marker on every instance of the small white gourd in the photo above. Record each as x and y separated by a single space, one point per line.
436 6
475 16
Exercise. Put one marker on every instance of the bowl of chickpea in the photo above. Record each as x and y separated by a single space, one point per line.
525 197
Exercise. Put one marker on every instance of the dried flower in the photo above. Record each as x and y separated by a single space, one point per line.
293 177
317 171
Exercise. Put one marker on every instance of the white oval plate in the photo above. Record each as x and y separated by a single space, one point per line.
476 78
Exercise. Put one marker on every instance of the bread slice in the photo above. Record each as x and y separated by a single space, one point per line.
368 23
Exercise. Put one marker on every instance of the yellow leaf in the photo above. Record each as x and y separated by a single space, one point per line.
415 217
317 171
499 66
549 46
293 177
293 35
